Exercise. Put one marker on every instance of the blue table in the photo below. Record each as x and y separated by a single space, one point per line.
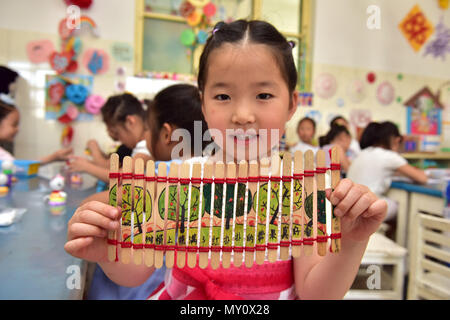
33 262
434 190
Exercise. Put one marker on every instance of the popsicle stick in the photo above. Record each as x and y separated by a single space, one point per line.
297 205
286 206
160 213
113 188
274 208
263 199
219 174
240 212
127 179
229 215
321 204
183 215
308 231
138 209
149 226
251 214
194 212
335 221
206 217
170 223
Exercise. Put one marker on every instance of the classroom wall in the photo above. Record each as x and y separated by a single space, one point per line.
343 47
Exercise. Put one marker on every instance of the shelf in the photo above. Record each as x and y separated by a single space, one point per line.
424 155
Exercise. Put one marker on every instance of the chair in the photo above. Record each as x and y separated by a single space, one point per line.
430 258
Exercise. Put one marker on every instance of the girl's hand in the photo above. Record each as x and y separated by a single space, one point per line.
360 209
63 154
92 145
78 164
88 229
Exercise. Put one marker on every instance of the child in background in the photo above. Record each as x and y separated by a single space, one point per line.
247 79
124 117
9 127
175 107
340 137
354 148
306 129
379 161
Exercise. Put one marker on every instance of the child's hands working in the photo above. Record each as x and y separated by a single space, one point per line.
360 210
88 229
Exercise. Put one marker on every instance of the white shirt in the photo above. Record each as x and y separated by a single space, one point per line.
353 150
374 168
303 147
5 155
141 147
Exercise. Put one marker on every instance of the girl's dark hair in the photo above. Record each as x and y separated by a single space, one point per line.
336 119
5 109
332 134
307 119
178 105
259 32
117 108
379 134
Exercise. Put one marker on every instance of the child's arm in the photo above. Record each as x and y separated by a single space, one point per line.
330 277
414 173
98 157
60 155
79 164
86 239
345 162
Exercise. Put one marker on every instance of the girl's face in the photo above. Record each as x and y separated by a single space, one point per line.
344 140
245 93
129 133
9 126
306 131
395 143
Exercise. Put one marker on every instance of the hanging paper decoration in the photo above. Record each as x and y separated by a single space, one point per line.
443 4
199 3
360 118
68 113
371 77
385 93
209 10
94 103
305 99
316 115
122 52
96 61
83 4
60 61
56 92
340 102
187 37
39 51
186 8
356 91
440 46
67 136
325 86
77 93
202 36
400 77
194 19
416 28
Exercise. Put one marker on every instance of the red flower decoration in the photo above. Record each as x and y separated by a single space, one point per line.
83 4
186 8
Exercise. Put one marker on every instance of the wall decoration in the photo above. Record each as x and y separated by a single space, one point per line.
371 77
443 4
356 91
122 52
305 99
316 115
94 103
96 61
360 118
385 93
340 102
416 28
440 46
424 113
39 51
83 4
325 85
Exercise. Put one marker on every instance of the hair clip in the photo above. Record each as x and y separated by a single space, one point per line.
292 44
215 30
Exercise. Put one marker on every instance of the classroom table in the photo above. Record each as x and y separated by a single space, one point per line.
33 262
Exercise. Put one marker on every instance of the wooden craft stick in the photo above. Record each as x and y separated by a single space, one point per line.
335 221
228 221
219 174
194 212
321 204
286 206
113 188
240 212
297 205
138 210
250 230
183 214
160 213
172 208
274 208
127 179
206 217
149 226
308 231
263 199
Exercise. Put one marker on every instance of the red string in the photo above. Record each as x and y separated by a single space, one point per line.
191 249
112 241
272 246
138 246
161 179
125 244
149 246
264 179
253 179
196 180
230 180
335 166
249 249
335 235
297 176
173 180
321 170
308 241
203 249
286 179
297 242
322 238
260 247
309 173
238 249
219 181
285 243
227 249
207 180
139 176
170 247
127 175
275 179
185 180
114 175
150 179
242 180
181 248
216 248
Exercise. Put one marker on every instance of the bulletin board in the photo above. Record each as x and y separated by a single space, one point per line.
160 24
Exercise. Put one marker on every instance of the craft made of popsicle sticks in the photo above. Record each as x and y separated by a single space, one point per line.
223 213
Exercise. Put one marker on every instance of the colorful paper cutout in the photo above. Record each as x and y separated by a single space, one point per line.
122 52
56 92
416 28
39 51
202 36
60 61
209 10
440 46
371 77
356 91
325 85
186 8
385 93
77 93
194 19
96 61
187 37
94 103
360 118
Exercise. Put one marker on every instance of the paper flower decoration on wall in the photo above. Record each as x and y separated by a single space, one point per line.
440 46
416 28
360 118
96 61
325 86
356 91
83 4
198 15
385 93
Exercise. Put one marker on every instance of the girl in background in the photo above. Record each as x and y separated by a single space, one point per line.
379 161
354 148
338 136
306 129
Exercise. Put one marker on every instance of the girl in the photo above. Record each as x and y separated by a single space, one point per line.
338 136
125 121
9 127
379 161
306 129
247 79
354 148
